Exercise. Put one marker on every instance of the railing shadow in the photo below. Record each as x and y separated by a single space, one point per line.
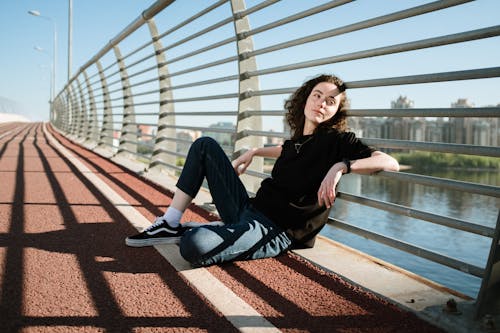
117 175
88 241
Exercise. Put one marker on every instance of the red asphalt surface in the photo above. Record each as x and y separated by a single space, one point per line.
64 266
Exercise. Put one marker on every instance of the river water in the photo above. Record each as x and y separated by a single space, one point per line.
454 243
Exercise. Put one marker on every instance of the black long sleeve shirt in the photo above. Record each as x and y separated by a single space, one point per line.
298 172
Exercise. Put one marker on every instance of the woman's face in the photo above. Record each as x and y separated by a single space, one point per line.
321 105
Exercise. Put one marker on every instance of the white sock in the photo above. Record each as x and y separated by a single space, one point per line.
173 217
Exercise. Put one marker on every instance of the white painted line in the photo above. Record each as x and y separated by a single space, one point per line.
236 310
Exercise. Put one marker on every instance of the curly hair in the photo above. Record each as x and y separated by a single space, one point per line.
296 103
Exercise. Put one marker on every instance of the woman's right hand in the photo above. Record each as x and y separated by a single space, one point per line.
241 164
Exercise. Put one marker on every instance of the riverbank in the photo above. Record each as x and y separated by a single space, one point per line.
440 161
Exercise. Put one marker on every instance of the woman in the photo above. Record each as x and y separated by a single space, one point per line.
291 206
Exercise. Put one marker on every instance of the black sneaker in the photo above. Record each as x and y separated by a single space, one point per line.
158 233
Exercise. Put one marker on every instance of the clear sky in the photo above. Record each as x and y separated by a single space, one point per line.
25 72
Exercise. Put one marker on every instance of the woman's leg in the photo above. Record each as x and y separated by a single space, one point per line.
207 160
247 234
253 237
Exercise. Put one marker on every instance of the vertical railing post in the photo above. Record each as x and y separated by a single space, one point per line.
128 137
488 299
54 118
166 117
92 134
66 109
60 115
106 135
246 102
73 114
83 119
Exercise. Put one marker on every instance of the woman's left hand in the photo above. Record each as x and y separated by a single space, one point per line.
326 192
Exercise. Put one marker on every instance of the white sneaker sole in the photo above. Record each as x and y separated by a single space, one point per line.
201 224
152 241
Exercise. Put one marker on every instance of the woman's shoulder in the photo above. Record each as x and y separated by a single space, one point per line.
335 133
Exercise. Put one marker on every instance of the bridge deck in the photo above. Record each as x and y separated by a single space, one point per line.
64 214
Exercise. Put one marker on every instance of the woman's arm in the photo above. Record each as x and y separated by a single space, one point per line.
241 163
378 161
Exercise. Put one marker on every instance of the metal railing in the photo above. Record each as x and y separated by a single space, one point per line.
158 91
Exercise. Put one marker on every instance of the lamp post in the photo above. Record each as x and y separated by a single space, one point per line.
70 36
52 90
54 63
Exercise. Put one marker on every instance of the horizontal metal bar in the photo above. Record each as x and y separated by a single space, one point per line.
202 113
146 157
434 146
415 11
203 49
482 112
204 66
145 103
481 73
166 151
147 114
141 123
147 92
299 16
145 70
177 140
170 152
201 98
205 82
488 190
155 79
192 18
256 8
249 113
194 128
199 33
137 23
107 144
168 165
222 42
409 248
265 133
397 48
140 48
419 214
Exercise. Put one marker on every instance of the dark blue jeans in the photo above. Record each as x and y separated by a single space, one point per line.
246 233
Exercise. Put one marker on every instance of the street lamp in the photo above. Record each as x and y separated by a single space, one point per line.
52 90
54 63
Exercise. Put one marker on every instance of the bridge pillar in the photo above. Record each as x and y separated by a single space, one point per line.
246 102
82 117
106 135
128 137
72 111
92 134
166 119
488 300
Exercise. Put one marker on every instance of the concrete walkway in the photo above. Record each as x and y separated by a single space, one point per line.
64 266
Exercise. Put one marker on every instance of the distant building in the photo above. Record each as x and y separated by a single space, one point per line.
473 131
402 102
185 138
223 138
